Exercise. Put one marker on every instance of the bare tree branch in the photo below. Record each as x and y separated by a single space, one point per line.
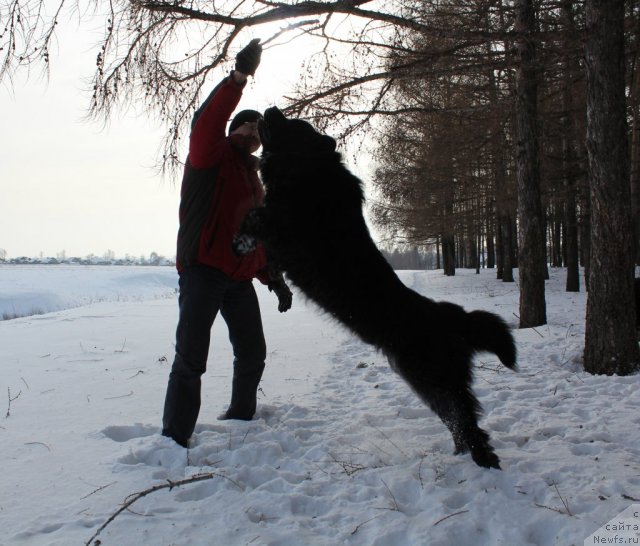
157 55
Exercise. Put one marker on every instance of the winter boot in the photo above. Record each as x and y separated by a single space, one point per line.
244 391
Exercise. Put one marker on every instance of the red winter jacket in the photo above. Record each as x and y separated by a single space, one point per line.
219 186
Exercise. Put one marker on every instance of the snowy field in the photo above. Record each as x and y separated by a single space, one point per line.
340 452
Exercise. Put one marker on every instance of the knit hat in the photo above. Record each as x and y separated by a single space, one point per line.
244 116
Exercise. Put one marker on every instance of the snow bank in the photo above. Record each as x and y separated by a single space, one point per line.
38 289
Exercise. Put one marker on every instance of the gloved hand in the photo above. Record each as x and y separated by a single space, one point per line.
248 59
285 297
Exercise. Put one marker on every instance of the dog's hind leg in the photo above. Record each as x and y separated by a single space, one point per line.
459 410
451 398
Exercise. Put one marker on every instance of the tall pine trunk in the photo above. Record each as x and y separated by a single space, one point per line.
568 151
491 249
611 346
531 247
635 138
449 254
504 194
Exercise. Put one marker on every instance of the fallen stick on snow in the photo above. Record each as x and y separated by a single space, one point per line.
169 485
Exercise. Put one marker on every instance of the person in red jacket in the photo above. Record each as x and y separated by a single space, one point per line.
219 186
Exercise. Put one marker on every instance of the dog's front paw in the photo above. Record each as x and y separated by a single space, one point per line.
243 244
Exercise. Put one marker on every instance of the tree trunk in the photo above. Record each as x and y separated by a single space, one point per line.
507 246
531 246
573 271
585 234
611 346
449 254
478 251
491 252
499 251
635 140
504 237
555 222
569 153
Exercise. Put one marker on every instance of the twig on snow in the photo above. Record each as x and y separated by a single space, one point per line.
551 508
121 396
450 516
565 512
499 369
37 444
420 471
395 506
386 437
349 467
131 499
98 489
564 502
357 527
11 400
86 360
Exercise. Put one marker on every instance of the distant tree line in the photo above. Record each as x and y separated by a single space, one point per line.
430 257
154 259
413 258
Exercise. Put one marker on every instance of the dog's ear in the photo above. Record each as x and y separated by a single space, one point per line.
274 115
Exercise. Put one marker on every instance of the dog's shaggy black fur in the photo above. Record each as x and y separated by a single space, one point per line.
313 229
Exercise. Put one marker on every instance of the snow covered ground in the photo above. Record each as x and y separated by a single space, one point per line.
341 452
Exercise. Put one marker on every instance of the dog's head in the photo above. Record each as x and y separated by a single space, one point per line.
291 136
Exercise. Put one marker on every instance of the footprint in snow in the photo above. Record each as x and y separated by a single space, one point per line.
124 433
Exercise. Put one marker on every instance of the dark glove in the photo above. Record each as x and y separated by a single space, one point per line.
285 297
248 59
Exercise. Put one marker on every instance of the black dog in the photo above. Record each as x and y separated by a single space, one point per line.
313 229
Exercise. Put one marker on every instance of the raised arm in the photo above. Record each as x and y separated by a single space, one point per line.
210 120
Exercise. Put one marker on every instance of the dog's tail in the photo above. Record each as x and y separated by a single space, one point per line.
488 332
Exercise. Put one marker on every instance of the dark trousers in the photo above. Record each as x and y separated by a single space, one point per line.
203 292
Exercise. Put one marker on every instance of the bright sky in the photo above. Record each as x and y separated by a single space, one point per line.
71 185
